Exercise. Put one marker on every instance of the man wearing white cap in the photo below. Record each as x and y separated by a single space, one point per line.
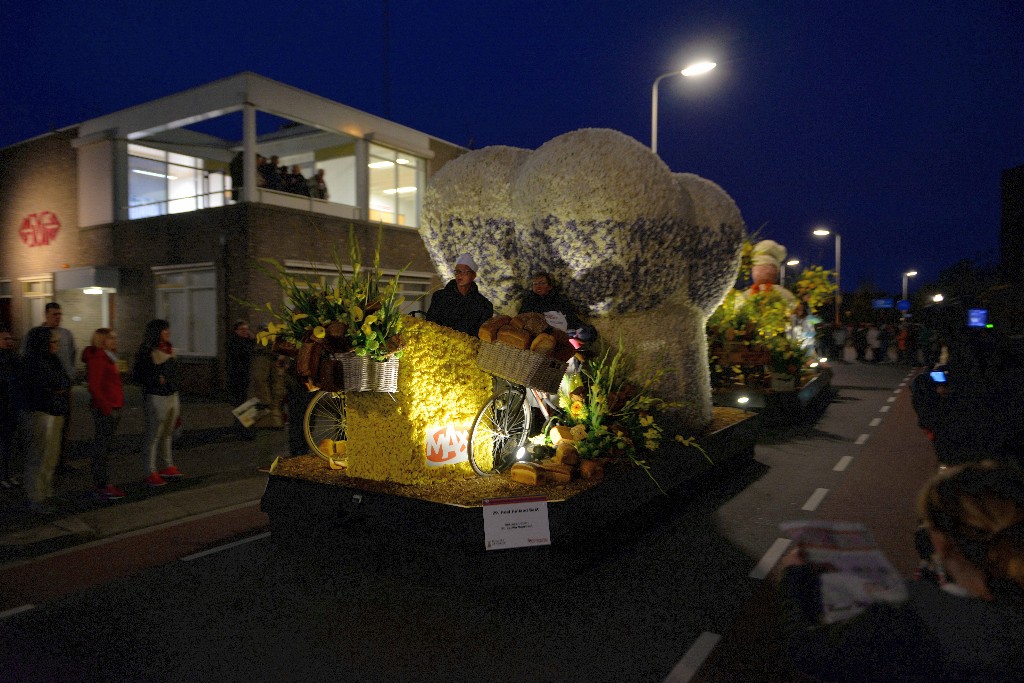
460 305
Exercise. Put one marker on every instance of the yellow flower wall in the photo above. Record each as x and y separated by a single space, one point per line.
439 384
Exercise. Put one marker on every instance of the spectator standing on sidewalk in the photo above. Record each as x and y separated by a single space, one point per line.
8 412
43 393
107 396
971 629
156 369
238 354
67 354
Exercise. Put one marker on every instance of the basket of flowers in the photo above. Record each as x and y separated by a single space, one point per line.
347 334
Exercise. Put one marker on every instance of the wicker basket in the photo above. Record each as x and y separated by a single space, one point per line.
361 373
521 367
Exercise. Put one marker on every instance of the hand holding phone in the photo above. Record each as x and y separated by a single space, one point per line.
938 376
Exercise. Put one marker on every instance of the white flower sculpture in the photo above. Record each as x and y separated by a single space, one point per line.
646 254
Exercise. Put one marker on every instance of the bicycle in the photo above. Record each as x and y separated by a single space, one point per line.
497 437
324 419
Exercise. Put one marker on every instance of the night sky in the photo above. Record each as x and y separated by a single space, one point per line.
887 121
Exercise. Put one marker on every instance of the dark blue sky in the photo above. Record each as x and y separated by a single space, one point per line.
887 121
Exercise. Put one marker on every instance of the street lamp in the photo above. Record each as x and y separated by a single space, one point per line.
824 232
695 69
906 276
790 262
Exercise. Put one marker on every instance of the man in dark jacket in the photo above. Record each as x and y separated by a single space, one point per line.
543 297
460 305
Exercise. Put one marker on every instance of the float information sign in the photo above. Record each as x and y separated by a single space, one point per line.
516 522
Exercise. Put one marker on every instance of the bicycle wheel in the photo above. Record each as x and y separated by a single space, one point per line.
324 419
499 431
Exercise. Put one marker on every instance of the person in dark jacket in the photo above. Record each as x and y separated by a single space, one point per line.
156 369
969 629
460 305
44 392
107 401
8 411
544 296
238 354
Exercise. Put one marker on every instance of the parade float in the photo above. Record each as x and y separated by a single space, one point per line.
761 339
647 255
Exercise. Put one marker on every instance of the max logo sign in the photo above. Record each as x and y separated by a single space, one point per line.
447 446
39 229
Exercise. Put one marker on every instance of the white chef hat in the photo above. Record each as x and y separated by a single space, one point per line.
768 253
466 260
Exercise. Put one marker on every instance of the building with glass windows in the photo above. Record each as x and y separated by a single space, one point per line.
148 213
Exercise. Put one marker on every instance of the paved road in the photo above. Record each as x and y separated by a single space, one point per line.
676 593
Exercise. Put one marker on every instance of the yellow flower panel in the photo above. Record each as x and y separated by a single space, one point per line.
439 384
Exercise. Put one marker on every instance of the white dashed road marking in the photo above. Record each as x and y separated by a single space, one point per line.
769 559
691 662
843 463
815 500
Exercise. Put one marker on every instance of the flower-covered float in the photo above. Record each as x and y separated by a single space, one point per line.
762 336
645 254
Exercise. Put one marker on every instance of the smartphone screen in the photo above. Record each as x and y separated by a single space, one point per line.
938 376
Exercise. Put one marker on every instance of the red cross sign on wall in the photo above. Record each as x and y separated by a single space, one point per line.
39 229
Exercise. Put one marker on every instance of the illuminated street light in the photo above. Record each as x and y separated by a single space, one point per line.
824 232
696 69
937 298
782 275
906 276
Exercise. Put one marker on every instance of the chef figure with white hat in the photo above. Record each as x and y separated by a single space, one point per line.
460 305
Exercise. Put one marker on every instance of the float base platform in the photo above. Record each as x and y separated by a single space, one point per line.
319 512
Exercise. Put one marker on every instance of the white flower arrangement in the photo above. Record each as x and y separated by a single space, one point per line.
641 251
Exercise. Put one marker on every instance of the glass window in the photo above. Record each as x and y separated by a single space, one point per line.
396 185
165 182
187 299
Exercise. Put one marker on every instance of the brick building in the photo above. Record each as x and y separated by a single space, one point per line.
144 213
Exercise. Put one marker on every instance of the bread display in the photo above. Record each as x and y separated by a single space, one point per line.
516 338
527 473
528 332
489 330
543 344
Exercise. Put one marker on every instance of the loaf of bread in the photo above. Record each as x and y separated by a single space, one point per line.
566 453
534 323
591 469
517 339
556 472
527 473
563 351
489 330
560 433
543 344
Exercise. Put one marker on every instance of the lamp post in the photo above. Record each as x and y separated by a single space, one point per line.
824 232
695 69
906 276
782 276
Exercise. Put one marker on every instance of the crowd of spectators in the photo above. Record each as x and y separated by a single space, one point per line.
272 176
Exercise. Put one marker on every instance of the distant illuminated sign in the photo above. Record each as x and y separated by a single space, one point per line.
39 229
977 317
903 305
882 303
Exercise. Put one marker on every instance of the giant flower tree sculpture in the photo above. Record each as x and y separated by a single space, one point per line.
645 253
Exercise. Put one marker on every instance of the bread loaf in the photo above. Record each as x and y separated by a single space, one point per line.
489 330
517 339
543 344
563 351
560 433
591 469
566 453
527 473
534 323
557 472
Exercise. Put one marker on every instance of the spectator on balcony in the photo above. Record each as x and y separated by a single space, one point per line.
317 185
295 182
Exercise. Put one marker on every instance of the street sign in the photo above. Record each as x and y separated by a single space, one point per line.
903 305
881 303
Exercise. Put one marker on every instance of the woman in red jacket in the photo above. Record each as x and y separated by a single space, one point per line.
106 405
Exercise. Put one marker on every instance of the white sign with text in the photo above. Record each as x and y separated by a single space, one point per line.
516 522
